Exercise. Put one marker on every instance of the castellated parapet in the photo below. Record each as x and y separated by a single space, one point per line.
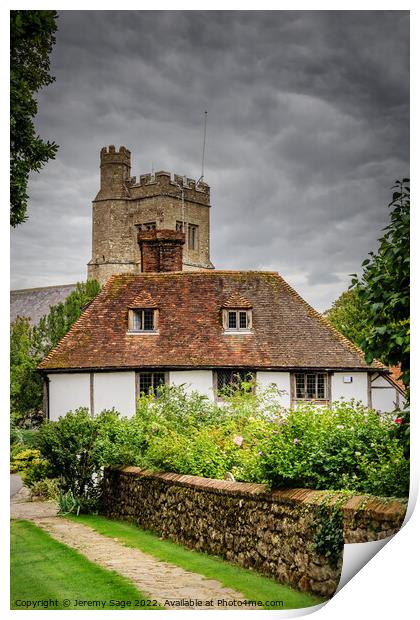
126 205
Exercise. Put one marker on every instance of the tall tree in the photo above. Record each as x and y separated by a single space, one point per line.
31 41
349 316
383 288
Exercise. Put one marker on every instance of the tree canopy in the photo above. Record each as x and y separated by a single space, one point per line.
384 288
348 314
31 42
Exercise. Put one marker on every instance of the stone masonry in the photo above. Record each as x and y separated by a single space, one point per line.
125 205
271 532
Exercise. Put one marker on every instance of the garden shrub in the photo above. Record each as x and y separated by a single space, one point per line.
73 447
189 434
47 488
26 437
343 447
68 503
78 447
30 465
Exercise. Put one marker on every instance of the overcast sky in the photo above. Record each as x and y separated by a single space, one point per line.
308 126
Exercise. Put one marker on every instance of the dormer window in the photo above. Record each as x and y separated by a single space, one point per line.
237 320
142 320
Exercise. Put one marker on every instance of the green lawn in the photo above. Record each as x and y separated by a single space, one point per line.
252 585
48 574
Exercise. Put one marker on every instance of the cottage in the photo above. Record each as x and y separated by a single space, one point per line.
166 316
203 329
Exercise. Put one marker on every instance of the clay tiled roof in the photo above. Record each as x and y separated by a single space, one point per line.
235 300
395 376
286 333
143 300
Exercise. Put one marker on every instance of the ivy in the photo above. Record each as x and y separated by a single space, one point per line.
329 532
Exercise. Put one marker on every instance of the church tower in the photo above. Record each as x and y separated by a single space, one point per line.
125 206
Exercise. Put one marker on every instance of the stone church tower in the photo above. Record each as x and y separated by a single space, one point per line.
125 207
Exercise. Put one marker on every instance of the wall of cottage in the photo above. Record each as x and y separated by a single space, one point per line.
67 392
384 395
114 389
357 389
271 532
118 389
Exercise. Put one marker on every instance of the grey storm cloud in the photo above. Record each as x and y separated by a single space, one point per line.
308 127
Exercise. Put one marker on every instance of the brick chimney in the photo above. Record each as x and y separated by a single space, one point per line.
161 250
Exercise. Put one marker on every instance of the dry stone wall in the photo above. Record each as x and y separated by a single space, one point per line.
274 533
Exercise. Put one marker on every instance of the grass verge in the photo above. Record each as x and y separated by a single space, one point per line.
252 585
46 574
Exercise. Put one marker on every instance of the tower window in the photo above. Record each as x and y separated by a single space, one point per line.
142 320
192 233
147 226
237 320
192 236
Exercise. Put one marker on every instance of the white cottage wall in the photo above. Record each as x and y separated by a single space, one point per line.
357 389
115 389
194 380
385 397
67 392
280 379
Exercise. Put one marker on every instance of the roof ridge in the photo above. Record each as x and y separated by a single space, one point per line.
41 288
207 272
83 315
340 337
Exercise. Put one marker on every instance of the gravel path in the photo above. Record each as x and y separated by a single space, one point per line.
166 583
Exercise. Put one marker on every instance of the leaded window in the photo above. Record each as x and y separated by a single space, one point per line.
231 378
142 320
311 386
237 320
149 382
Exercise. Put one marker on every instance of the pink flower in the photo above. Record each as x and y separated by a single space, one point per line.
238 440
296 441
398 420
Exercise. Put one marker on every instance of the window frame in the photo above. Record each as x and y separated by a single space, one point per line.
131 321
317 373
216 390
192 228
147 226
153 372
237 329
